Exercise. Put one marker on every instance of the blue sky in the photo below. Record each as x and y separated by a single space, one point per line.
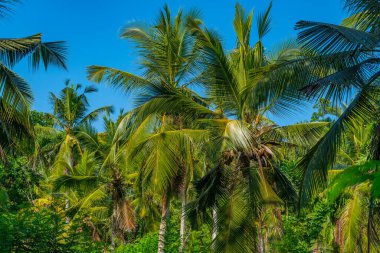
91 29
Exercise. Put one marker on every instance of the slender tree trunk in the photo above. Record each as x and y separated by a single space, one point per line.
114 222
163 224
261 247
214 227
113 235
182 230
67 201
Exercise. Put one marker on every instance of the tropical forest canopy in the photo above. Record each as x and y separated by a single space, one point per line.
188 171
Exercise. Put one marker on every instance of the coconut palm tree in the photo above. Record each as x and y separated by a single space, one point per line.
169 156
70 112
16 94
104 176
169 63
243 89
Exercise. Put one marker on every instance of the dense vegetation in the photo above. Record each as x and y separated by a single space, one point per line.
199 172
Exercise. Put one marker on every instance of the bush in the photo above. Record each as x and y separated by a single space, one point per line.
30 230
294 239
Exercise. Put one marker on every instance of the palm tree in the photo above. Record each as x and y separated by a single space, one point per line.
341 63
104 176
169 166
169 61
243 87
70 112
16 94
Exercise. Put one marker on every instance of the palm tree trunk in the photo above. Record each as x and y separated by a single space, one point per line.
113 235
214 227
261 247
67 201
182 230
163 224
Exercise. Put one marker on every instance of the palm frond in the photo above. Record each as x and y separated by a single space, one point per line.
328 38
351 217
263 22
349 177
6 6
73 182
302 134
365 14
117 78
95 114
15 91
49 53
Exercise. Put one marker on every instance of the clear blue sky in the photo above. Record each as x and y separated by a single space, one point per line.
91 29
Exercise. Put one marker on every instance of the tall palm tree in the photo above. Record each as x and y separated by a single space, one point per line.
104 176
169 63
70 112
16 94
244 90
342 63
169 166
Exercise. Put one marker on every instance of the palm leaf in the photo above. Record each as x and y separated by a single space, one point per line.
116 78
327 38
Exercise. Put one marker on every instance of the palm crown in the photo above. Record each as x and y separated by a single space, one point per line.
16 94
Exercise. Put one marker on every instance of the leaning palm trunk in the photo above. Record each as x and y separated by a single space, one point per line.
182 231
163 224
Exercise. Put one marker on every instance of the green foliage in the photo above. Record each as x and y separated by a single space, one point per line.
288 167
316 219
325 111
148 244
18 182
351 176
41 119
301 232
294 239
69 188
31 230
